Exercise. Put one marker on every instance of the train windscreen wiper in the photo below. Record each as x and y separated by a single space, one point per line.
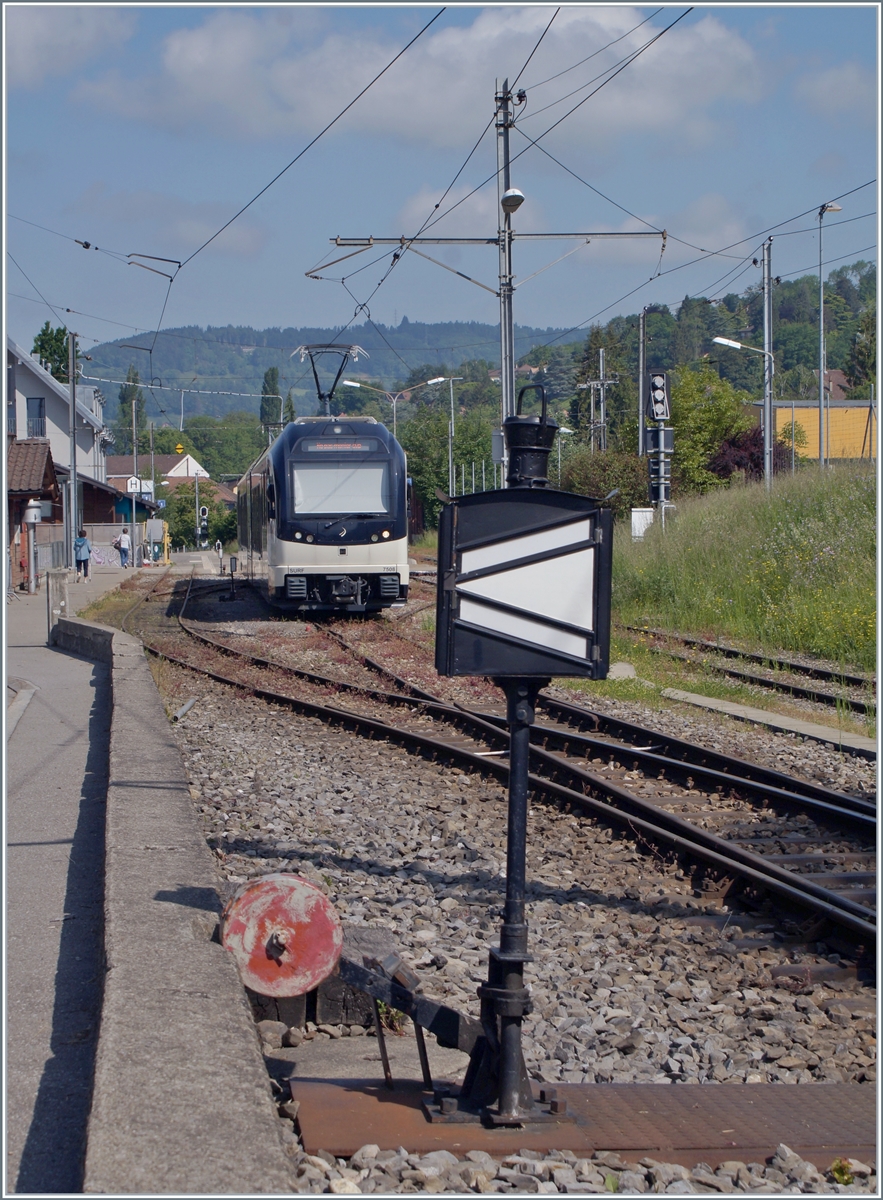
350 517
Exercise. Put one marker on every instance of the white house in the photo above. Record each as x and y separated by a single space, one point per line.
176 466
38 406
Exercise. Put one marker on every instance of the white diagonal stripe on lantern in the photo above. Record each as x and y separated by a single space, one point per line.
555 538
556 588
545 637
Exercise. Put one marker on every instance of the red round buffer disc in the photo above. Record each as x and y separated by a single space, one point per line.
284 934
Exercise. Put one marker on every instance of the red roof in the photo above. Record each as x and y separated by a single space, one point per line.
29 468
218 491
123 464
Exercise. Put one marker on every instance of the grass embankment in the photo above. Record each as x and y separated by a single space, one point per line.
790 570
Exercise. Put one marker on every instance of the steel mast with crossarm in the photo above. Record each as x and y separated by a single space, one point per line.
509 198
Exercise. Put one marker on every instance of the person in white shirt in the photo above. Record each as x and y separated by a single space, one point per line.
125 546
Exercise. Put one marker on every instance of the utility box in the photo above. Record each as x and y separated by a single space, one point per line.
642 519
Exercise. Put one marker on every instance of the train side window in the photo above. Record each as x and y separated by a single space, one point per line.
271 501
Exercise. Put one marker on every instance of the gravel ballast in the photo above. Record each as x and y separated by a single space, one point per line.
634 978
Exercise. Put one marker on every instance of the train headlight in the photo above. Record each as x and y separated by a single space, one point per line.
374 537
298 536
385 533
310 537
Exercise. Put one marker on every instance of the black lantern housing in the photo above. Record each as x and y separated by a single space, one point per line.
529 440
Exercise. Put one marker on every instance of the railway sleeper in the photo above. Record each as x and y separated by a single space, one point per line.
681 835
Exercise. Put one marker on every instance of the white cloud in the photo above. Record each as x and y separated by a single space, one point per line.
51 41
156 223
845 90
474 216
264 75
709 221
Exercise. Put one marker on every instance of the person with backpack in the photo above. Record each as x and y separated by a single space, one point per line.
82 554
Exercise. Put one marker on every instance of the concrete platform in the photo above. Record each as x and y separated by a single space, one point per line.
852 743
57 722
133 1065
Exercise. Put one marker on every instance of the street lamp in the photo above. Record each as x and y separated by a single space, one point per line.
562 429
767 403
451 379
392 397
832 207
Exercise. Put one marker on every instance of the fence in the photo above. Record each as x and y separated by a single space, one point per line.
50 555
101 538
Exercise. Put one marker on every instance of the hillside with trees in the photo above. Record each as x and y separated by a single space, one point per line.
713 388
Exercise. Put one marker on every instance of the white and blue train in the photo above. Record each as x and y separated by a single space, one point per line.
323 517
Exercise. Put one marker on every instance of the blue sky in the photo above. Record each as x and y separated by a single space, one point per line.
143 129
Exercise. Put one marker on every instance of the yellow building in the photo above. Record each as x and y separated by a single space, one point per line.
850 428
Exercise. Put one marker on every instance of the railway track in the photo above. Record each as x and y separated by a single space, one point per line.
851 691
723 815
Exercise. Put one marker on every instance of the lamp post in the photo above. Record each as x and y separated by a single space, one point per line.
769 371
451 379
832 207
392 397
562 430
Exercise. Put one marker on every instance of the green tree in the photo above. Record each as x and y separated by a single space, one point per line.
270 398
130 393
425 440
705 411
622 396
181 514
598 474
51 346
289 412
226 446
862 365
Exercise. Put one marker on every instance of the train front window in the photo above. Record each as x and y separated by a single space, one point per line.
324 488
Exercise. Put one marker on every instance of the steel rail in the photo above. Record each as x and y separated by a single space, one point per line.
664 827
714 766
687 752
142 599
776 685
781 664
856 811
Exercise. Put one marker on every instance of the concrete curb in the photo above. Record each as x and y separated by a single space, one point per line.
15 710
851 743
182 1101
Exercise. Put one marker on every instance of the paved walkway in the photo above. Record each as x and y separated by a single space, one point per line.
58 714
838 738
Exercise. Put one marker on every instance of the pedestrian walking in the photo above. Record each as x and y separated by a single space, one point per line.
125 545
82 554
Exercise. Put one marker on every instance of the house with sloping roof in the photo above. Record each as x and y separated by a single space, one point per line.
121 467
38 412
38 406
30 475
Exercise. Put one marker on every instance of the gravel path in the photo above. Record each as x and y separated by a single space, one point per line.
634 979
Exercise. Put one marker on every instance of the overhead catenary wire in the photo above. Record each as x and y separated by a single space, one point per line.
515 157
533 87
55 313
161 387
536 47
314 140
396 256
279 174
118 254
601 311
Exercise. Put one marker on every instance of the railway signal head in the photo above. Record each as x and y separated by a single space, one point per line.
658 407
